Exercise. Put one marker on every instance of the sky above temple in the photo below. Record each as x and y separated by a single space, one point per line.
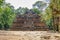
23 3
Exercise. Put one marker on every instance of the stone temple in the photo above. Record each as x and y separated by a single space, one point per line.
29 21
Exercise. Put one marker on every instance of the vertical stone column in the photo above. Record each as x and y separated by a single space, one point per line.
24 24
32 24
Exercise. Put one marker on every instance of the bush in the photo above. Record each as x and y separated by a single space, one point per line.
0 27
6 27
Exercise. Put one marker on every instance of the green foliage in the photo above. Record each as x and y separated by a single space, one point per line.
21 10
0 26
37 11
55 4
48 14
47 17
55 7
7 15
40 5
1 2
6 27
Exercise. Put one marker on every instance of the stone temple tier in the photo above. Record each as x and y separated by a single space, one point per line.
29 21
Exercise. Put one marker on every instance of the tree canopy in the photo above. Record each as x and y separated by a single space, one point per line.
40 5
7 14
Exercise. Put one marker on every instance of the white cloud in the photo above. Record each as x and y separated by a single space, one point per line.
22 3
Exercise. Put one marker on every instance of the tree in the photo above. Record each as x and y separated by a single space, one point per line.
35 10
2 1
1 12
21 10
55 7
48 17
40 5
7 15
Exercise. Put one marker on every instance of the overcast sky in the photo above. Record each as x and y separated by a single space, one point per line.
23 3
